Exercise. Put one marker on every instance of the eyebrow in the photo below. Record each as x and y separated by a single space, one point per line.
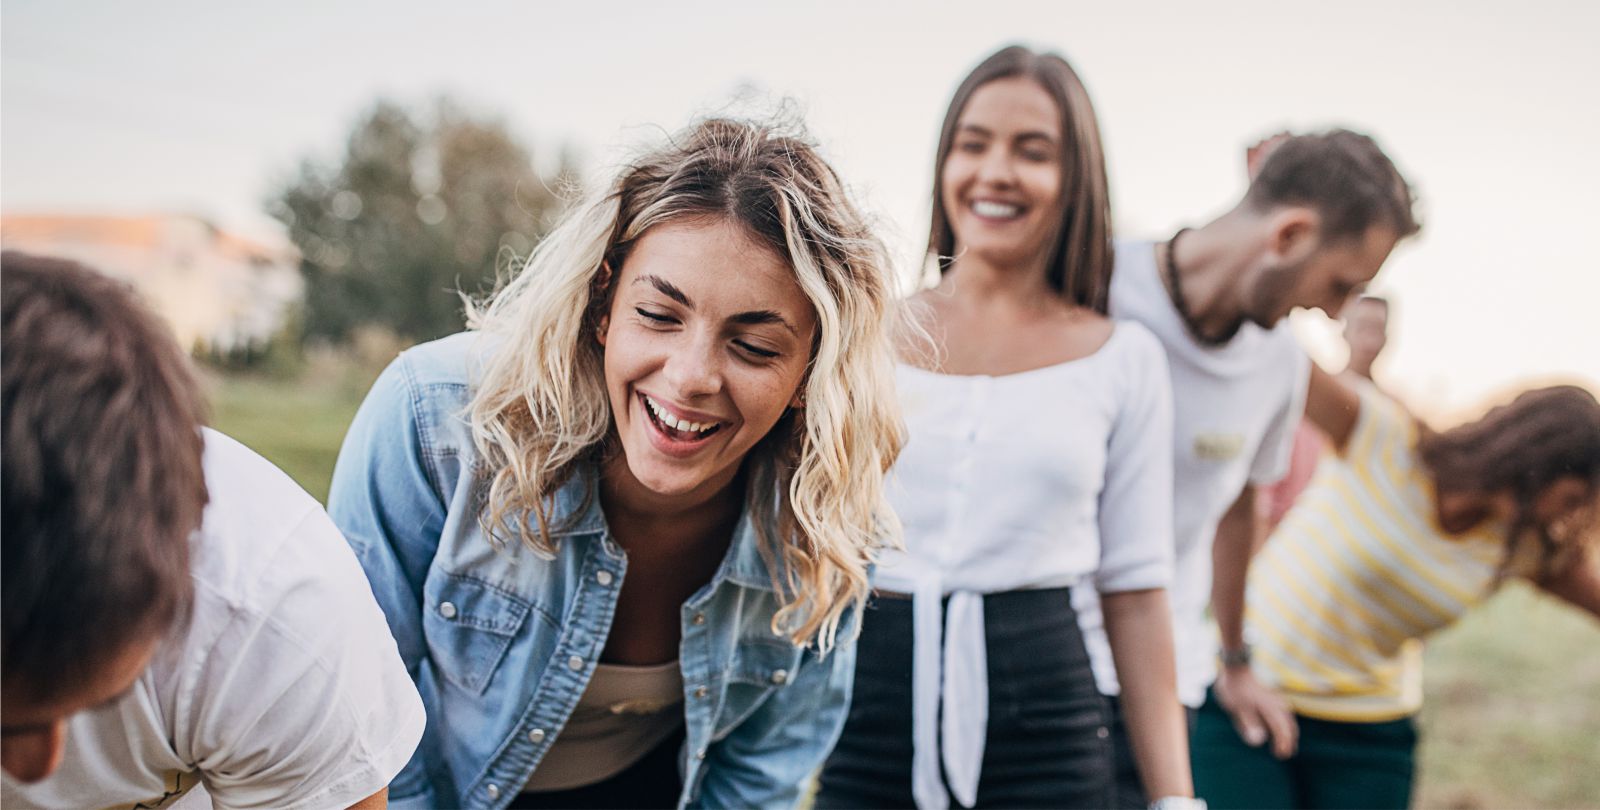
666 288
756 317
764 316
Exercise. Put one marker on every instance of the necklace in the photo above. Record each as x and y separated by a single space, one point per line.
1178 302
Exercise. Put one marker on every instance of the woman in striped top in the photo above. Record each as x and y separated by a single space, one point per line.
1396 538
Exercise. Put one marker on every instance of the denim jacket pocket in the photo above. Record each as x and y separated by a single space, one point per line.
469 624
759 667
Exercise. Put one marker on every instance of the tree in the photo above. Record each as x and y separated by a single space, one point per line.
417 212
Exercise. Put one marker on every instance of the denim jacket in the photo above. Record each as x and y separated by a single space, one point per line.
502 643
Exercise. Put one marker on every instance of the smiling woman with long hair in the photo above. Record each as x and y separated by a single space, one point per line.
1039 460
622 530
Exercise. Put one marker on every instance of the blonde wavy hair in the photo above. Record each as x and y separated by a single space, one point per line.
815 492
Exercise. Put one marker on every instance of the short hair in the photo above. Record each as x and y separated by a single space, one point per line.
1081 255
1343 175
103 484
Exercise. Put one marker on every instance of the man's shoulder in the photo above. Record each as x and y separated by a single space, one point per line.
1133 264
261 530
1136 291
238 478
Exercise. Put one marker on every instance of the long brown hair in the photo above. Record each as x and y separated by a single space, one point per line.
1079 262
1522 448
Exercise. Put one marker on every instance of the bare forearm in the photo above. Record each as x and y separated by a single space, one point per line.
1332 406
377 801
1230 567
1139 627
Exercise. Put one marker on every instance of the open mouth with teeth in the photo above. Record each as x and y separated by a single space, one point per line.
670 426
991 209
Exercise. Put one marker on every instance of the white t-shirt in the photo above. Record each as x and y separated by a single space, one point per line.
1039 479
284 690
1236 408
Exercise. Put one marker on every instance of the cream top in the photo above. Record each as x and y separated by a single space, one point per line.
624 713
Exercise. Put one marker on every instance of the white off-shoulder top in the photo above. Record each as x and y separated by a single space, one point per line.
1039 479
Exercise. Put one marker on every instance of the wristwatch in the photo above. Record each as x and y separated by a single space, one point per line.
1237 657
1178 803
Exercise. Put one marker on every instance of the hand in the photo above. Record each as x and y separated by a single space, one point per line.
1178 803
1257 711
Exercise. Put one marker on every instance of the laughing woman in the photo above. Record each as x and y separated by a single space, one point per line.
1039 460
621 531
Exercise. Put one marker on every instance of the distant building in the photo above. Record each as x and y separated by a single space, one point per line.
220 292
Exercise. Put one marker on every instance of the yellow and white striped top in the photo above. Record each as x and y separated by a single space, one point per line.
1358 572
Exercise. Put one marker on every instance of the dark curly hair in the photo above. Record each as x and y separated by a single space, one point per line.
1522 448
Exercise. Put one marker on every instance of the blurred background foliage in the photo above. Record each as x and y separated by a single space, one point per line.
422 205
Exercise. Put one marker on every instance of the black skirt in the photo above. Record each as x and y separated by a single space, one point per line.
1047 743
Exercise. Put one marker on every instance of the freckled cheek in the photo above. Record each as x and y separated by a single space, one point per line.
630 353
764 399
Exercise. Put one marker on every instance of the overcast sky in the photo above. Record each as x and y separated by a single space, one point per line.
1492 110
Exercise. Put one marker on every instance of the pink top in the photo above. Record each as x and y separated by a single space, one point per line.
1276 499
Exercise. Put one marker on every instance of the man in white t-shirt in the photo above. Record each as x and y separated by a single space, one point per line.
177 612
1318 221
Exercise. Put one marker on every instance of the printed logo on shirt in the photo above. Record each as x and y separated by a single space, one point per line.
175 783
1218 446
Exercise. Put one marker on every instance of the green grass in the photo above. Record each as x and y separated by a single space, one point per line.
1512 711
297 424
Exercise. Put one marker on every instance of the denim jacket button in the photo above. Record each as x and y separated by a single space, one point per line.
780 676
701 754
574 663
603 577
447 610
701 692
536 736
492 791
699 619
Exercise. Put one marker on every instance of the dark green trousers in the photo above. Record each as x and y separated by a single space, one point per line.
1337 765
